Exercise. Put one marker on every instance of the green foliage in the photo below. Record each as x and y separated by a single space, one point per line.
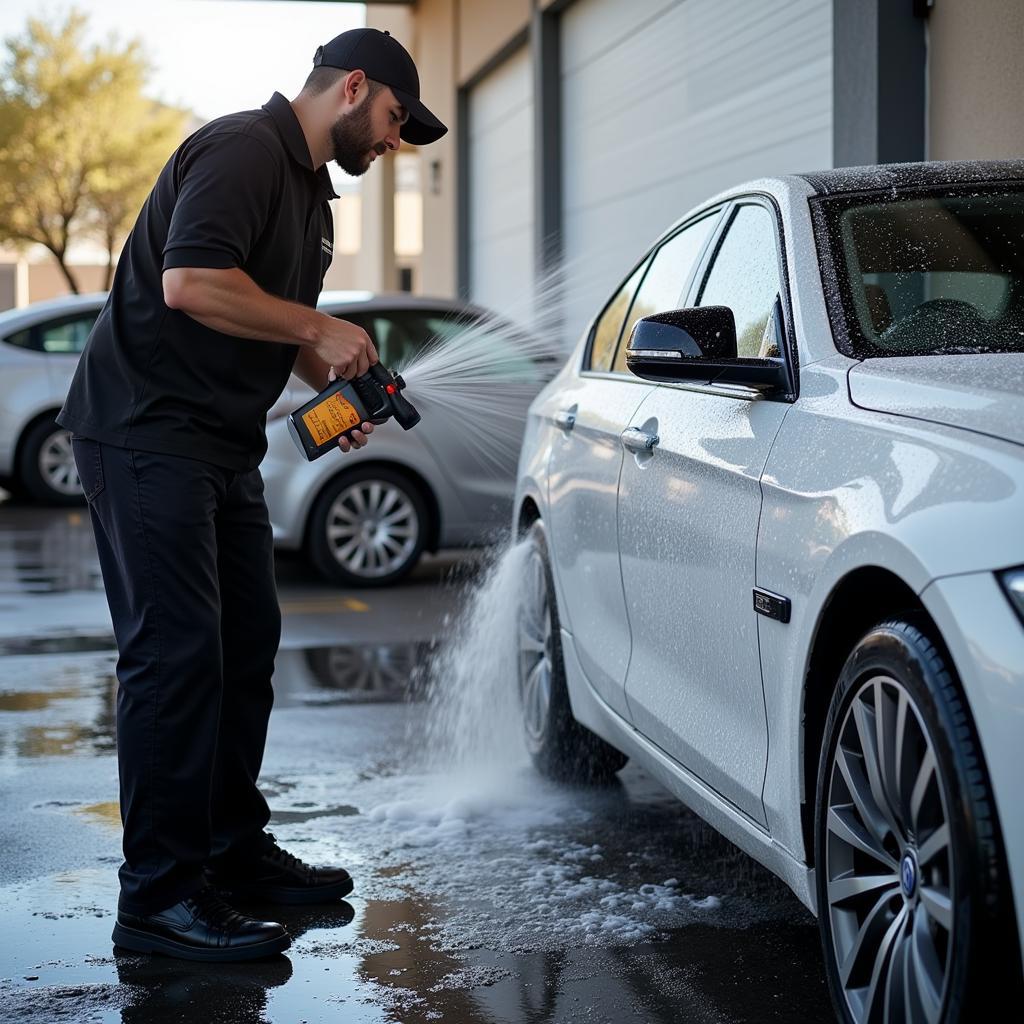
80 145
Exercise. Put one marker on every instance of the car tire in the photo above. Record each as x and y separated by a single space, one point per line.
559 746
910 876
46 465
392 511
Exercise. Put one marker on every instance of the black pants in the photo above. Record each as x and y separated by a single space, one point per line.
187 558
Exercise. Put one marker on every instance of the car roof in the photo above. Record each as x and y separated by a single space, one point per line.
24 316
330 301
872 177
369 301
935 172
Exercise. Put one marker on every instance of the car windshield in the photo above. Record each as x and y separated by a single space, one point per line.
926 275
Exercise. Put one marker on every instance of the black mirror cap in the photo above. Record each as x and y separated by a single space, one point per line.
698 345
699 332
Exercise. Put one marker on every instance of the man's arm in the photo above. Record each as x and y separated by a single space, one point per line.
228 300
311 369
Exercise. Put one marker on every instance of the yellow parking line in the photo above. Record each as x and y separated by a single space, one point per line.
343 604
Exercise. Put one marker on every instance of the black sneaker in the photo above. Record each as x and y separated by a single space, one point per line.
200 927
274 875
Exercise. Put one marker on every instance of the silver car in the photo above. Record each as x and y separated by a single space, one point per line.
39 350
774 507
364 518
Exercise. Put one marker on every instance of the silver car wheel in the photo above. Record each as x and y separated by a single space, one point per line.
372 528
535 648
889 860
56 464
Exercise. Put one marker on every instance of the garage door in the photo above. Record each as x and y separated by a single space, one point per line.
501 186
666 102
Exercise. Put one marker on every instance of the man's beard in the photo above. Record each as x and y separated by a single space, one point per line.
352 138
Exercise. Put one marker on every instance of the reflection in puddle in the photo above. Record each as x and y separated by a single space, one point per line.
46 551
34 701
351 674
61 706
106 813
56 644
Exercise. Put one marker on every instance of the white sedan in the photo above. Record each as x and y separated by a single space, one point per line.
775 509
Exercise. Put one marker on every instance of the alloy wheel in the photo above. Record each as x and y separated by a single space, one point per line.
56 463
372 528
889 860
535 656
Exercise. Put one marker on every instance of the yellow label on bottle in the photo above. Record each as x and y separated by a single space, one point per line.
332 417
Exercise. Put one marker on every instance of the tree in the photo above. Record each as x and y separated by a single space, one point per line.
80 145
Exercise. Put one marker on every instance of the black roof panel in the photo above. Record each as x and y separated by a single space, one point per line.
920 175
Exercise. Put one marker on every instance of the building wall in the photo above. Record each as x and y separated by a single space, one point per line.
436 34
976 79
8 285
485 27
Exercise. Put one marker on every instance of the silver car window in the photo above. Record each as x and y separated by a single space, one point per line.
609 326
67 335
662 287
745 276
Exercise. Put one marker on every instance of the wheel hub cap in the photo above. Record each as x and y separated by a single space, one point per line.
908 876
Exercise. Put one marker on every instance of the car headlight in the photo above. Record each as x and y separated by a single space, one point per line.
1013 584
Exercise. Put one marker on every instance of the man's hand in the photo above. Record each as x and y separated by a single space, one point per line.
345 346
358 438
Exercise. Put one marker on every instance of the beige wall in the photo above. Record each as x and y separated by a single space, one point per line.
8 285
975 79
47 282
484 28
435 42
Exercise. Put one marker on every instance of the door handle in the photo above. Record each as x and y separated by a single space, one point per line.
565 419
639 440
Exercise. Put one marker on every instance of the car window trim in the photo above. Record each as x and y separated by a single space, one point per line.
715 210
685 290
735 391
790 353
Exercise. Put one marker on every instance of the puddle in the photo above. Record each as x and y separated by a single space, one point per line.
483 893
351 674
106 813
47 551
34 701
56 644
58 705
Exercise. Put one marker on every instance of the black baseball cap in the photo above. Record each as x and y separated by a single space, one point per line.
384 59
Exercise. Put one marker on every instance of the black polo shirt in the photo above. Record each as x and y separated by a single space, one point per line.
240 192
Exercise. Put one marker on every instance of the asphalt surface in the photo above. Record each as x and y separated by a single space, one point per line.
482 897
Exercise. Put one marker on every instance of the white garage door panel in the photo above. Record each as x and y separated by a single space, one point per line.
666 102
501 186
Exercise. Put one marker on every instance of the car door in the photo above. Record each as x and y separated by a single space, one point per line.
688 507
583 475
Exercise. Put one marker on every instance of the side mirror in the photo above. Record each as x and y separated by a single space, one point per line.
699 345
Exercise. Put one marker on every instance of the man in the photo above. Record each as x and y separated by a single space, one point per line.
211 309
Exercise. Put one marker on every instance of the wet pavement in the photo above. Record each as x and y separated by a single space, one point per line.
483 893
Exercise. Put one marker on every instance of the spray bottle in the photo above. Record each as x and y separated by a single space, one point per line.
344 405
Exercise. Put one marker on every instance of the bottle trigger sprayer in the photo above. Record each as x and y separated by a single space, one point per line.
344 405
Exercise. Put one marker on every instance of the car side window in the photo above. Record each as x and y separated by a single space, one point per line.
400 334
745 276
65 336
662 287
609 326
397 334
